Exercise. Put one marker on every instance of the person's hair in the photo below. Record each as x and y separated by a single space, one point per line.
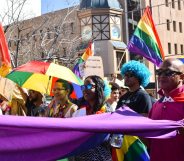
140 71
114 86
66 85
99 91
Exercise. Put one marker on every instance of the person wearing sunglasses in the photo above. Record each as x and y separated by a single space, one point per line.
169 107
94 101
61 106
135 75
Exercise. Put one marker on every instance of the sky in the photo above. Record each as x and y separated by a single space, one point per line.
53 5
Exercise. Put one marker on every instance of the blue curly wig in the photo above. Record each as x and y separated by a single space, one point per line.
139 70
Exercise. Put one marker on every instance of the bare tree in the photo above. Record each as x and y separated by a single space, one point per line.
50 36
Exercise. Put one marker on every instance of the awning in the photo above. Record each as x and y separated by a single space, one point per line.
119 44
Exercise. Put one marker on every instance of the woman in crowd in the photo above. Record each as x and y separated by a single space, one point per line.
61 106
94 102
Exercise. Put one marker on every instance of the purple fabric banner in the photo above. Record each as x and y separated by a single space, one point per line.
36 138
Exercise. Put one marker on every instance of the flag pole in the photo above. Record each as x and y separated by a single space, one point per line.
156 84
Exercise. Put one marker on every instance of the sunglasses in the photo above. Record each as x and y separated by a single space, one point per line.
87 87
129 75
167 72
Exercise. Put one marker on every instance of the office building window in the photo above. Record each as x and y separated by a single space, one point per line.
180 27
179 5
175 49
174 26
168 25
169 48
166 3
173 3
181 46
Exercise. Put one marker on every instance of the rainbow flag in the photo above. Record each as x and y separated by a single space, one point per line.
132 150
88 52
4 54
145 40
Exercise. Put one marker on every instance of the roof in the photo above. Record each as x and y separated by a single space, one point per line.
87 4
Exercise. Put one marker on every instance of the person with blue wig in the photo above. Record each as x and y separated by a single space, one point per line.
135 75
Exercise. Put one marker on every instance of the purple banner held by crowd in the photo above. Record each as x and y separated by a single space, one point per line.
37 138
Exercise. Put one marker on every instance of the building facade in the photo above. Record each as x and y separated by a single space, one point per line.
110 23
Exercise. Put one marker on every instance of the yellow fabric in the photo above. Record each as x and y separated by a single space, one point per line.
33 83
4 70
127 141
147 29
63 73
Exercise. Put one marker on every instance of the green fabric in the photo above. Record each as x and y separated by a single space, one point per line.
19 77
148 40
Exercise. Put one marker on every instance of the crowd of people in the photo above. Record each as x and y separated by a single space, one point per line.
170 105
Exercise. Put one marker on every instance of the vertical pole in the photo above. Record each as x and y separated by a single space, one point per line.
156 84
126 27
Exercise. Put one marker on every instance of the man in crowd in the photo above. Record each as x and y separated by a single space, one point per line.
135 75
114 97
169 107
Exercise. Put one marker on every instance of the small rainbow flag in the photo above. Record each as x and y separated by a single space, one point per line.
145 40
88 52
132 150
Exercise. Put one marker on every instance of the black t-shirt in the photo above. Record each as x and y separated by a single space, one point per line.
139 101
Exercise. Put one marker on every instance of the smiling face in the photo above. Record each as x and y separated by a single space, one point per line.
89 91
170 75
59 91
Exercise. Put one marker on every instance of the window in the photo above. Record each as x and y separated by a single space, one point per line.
169 48
175 49
41 34
173 4
166 3
181 46
174 26
168 25
120 59
179 5
180 27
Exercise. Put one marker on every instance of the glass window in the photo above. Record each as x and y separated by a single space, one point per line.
175 49
174 26
169 48
180 27
168 25
173 3
181 46
179 5
166 3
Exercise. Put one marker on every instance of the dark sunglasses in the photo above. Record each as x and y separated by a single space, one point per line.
87 87
167 72
129 75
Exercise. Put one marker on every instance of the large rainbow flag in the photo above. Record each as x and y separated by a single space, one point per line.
4 54
88 52
38 138
145 40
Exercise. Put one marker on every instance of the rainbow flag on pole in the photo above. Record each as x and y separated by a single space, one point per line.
145 40
88 52
5 62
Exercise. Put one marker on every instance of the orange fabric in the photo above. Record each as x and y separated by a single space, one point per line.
4 54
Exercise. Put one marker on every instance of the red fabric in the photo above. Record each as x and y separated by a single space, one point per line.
34 67
4 53
177 94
